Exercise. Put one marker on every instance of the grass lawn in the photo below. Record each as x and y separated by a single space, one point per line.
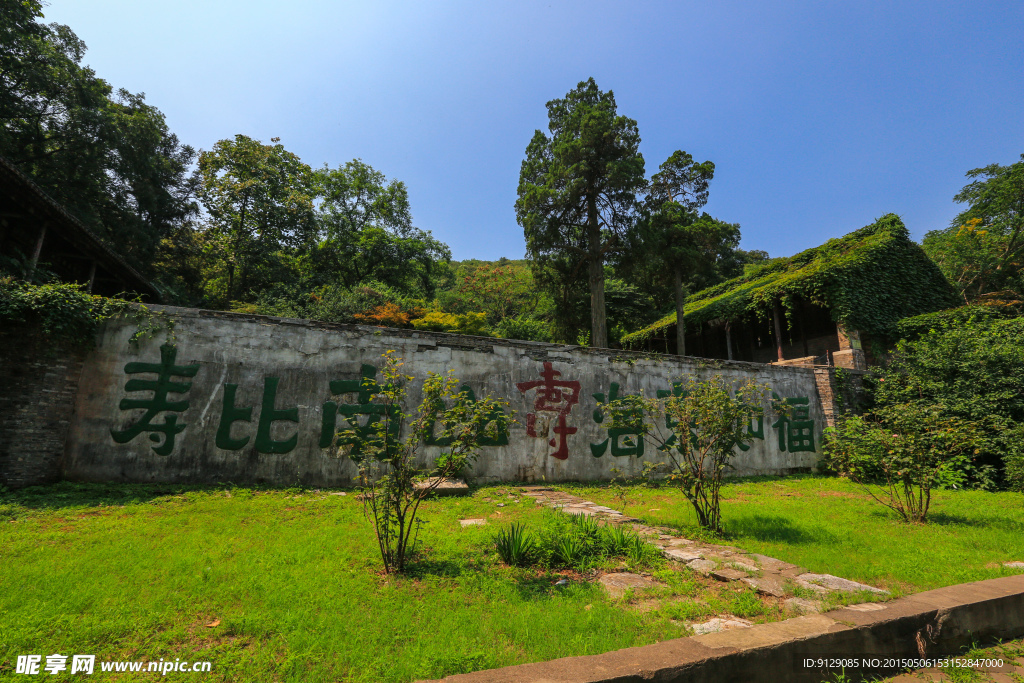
831 526
137 573
291 578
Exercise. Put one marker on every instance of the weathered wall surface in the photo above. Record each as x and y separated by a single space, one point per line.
37 396
282 370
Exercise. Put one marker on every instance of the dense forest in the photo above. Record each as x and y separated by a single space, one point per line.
249 226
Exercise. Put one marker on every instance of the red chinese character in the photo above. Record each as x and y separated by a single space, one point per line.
553 396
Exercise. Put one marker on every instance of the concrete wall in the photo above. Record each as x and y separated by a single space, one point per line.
304 357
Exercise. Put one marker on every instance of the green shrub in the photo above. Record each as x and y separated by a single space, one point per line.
974 369
527 329
615 539
458 323
64 312
515 545
900 454
569 550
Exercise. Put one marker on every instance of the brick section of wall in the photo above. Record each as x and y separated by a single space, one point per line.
38 384
836 399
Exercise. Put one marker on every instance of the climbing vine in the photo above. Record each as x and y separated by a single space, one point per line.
869 279
65 313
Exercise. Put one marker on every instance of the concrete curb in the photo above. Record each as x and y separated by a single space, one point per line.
933 623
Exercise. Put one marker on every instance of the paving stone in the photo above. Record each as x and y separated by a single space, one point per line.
1014 565
680 555
680 541
839 584
743 566
728 574
472 522
718 624
803 605
578 511
866 607
702 566
445 487
820 590
769 584
618 584
772 563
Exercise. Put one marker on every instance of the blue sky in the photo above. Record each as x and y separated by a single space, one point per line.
819 116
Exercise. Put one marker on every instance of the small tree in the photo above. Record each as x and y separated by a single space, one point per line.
901 453
704 422
387 462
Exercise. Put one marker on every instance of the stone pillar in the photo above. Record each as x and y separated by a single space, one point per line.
850 354
836 399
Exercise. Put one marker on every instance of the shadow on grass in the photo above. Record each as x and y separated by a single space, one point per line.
776 528
422 567
66 494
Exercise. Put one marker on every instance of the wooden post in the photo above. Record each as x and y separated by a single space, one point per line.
92 276
778 332
728 340
38 250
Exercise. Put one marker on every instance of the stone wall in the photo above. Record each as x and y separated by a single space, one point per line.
38 384
258 397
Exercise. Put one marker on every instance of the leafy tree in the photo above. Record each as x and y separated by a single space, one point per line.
387 462
901 453
260 200
983 249
108 158
974 370
367 233
502 290
705 421
577 188
675 242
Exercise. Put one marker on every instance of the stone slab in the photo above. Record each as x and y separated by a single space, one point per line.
680 555
445 487
768 584
771 563
729 574
472 522
742 566
718 625
803 606
617 584
702 566
839 584
1014 565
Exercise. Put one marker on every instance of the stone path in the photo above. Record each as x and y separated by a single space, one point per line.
767 575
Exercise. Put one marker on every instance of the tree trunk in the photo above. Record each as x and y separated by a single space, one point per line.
677 284
598 317
778 332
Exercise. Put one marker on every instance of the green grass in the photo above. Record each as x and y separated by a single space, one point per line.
136 572
831 526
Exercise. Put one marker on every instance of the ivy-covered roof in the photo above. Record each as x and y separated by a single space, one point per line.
869 280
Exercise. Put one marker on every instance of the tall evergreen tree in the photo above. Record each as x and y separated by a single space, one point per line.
578 188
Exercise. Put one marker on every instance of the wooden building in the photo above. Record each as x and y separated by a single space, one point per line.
36 232
837 304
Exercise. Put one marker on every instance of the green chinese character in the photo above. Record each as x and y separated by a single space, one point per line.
753 427
670 424
796 430
365 388
496 414
158 403
269 414
229 414
625 441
